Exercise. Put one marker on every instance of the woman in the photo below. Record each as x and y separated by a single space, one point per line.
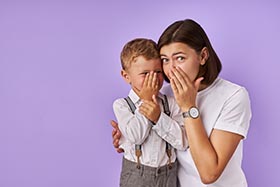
216 112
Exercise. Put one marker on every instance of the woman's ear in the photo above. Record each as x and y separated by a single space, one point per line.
125 76
204 54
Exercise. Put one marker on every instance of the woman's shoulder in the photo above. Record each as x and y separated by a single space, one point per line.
226 83
226 86
230 89
223 89
231 86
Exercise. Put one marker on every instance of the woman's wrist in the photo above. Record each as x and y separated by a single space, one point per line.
192 112
186 108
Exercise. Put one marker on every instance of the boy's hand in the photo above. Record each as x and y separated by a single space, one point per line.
116 135
150 109
149 88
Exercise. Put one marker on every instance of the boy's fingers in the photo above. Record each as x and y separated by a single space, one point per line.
117 135
144 108
120 150
154 99
116 143
114 132
150 81
114 124
146 80
147 104
154 80
142 111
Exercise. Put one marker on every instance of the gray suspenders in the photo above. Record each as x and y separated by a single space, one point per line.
138 151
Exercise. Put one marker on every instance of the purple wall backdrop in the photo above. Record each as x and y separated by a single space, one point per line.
59 74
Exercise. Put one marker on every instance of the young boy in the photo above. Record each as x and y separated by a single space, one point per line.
151 123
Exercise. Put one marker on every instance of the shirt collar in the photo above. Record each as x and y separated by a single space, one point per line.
133 96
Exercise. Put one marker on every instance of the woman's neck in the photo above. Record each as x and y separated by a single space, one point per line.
202 87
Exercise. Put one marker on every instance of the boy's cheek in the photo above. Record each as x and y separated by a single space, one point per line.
161 79
160 83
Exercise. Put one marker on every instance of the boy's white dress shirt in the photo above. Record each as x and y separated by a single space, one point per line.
137 129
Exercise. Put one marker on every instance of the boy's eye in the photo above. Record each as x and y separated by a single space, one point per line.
159 72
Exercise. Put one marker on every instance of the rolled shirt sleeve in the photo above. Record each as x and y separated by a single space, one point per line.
134 127
171 128
236 114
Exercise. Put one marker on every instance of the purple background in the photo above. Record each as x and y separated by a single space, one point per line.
60 72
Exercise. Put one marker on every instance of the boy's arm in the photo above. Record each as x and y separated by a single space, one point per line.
171 129
134 127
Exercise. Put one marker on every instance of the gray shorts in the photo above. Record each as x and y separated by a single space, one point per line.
147 176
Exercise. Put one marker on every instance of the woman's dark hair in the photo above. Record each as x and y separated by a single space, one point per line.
191 33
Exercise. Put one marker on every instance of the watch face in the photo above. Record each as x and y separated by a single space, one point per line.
194 113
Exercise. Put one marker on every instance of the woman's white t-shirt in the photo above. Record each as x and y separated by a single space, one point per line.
224 106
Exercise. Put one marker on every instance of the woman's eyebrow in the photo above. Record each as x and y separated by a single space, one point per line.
173 54
178 53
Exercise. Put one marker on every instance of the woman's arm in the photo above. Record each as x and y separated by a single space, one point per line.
210 154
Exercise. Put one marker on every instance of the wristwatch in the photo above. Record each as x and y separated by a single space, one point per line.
193 112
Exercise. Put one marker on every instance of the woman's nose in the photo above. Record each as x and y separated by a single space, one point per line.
173 63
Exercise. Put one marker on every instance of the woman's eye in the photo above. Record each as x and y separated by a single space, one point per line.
180 58
164 60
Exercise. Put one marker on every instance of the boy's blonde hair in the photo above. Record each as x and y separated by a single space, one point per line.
138 47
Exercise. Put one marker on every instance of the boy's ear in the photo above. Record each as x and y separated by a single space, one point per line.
204 54
125 76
